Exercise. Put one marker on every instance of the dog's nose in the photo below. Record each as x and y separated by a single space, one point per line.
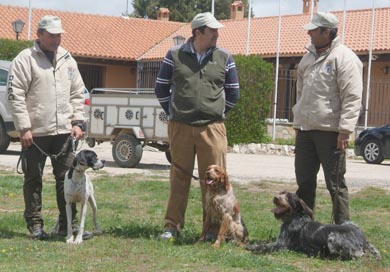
103 161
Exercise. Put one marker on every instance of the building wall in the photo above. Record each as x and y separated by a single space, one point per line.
120 76
379 95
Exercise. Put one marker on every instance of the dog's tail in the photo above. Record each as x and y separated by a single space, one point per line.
375 252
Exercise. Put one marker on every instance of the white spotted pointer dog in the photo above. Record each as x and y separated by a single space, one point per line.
78 188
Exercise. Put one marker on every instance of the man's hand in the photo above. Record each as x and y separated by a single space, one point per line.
77 132
342 141
26 138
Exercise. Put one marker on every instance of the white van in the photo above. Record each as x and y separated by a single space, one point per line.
7 128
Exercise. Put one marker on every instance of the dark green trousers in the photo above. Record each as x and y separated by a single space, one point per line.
33 164
319 148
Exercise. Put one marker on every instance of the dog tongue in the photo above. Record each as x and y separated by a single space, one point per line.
278 210
209 181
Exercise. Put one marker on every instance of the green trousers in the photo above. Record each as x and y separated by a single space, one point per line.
33 163
319 148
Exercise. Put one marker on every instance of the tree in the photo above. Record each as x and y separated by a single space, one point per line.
182 10
246 122
9 49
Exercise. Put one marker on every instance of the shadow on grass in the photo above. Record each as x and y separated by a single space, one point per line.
148 231
8 234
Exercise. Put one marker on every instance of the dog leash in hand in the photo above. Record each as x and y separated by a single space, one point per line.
183 170
71 139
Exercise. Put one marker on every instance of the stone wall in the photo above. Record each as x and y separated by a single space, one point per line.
273 149
285 131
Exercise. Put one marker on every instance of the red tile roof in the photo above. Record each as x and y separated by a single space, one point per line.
117 38
94 36
263 34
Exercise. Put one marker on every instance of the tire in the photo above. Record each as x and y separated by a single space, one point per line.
373 151
168 156
91 142
127 151
4 138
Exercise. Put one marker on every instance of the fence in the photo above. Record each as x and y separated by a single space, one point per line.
378 106
147 73
379 103
378 110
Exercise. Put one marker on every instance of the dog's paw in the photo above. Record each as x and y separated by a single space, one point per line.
216 245
78 240
69 240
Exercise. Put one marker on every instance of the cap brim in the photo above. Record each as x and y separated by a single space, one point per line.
215 25
55 30
310 26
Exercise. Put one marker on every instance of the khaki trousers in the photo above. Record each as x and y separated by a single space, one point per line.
209 145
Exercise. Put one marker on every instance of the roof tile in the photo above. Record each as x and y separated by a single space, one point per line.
128 39
96 36
294 39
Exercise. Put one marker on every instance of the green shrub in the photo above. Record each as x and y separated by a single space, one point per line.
10 48
246 122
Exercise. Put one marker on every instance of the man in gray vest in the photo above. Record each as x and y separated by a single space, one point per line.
196 86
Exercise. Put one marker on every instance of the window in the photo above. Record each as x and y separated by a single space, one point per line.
3 77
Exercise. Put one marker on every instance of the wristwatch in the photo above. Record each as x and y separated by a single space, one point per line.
78 123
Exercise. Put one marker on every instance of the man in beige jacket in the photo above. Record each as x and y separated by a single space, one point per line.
45 92
329 90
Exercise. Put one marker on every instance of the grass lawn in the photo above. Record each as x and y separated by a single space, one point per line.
131 209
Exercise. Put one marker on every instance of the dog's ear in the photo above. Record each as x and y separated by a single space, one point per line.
70 173
82 157
225 179
306 209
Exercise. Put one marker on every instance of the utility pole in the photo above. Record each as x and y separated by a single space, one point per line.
127 8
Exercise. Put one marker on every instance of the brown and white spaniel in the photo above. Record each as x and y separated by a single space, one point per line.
222 209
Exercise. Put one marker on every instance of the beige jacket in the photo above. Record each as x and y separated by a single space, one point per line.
44 98
329 90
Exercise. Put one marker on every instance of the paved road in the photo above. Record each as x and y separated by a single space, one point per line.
242 168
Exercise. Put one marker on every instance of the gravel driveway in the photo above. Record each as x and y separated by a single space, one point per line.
242 168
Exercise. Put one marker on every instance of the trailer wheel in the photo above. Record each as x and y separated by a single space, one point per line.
91 142
127 151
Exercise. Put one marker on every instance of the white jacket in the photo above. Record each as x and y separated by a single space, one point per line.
43 98
329 90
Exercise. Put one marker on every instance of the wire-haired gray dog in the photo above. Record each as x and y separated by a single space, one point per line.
299 232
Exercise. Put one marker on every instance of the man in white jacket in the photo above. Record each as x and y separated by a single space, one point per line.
45 93
329 90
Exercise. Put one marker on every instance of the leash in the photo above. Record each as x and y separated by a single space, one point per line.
339 155
71 140
183 170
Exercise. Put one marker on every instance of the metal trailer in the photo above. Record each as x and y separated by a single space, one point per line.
130 119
